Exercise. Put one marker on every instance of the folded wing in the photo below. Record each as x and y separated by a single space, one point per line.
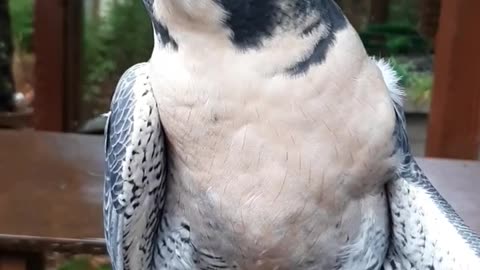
427 233
135 172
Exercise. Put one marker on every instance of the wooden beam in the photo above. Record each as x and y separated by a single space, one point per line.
57 39
49 47
454 124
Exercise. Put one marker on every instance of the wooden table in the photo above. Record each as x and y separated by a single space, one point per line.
50 196
52 185
459 183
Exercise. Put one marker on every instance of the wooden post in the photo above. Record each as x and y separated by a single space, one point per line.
57 39
454 124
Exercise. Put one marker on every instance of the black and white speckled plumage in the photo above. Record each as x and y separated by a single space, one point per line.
417 211
137 230
135 172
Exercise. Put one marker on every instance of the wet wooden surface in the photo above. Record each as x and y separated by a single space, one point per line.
52 185
51 195
459 183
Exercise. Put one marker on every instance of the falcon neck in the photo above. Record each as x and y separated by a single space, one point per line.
248 24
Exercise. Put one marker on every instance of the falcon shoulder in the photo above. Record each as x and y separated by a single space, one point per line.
135 173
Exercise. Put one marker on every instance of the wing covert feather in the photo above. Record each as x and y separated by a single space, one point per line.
135 172
427 233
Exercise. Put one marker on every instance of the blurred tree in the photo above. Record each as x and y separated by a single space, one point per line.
120 38
96 10
379 11
430 14
357 12
21 14
6 53
404 12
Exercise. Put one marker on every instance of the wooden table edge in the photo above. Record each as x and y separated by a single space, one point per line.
17 243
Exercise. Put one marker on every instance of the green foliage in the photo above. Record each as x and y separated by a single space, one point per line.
120 39
78 264
105 267
82 263
21 14
399 35
392 39
404 12
418 85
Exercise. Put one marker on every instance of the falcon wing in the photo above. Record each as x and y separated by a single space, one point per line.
427 233
135 172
